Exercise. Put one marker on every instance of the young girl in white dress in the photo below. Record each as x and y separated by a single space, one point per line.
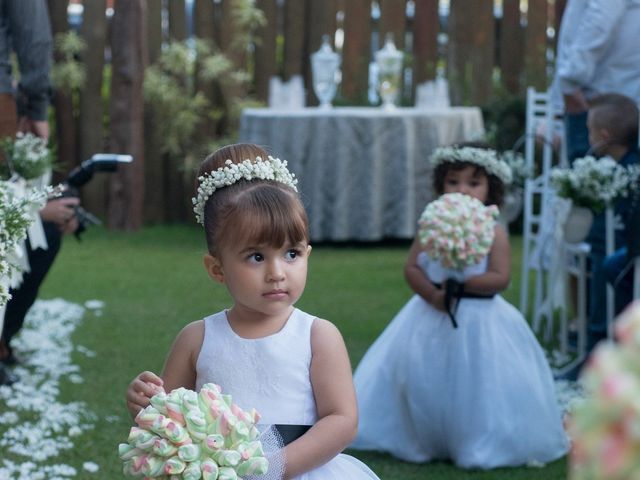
480 395
290 366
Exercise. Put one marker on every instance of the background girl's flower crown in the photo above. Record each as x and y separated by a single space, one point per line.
269 169
485 158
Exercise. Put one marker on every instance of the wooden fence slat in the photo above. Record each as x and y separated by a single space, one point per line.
511 46
426 26
177 20
154 174
356 51
129 54
393 20
265 50
320 20
91 121
535 63
294 12
65 127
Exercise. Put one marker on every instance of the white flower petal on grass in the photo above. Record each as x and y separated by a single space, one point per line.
45 425
94 304
90 467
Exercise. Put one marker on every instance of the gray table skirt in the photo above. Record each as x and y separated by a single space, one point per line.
363 173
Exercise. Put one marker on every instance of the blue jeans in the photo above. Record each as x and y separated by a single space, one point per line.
577 135
613 267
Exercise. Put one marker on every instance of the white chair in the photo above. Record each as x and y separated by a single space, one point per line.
544 125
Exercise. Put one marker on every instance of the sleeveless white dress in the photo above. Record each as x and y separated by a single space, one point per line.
271 374
481 395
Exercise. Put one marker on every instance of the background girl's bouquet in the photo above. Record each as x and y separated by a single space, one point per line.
605 428
28 155
457 230
191 435
594 183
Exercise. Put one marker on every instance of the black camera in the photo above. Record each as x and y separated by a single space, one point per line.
79 176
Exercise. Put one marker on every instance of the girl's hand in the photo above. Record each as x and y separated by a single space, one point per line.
141 389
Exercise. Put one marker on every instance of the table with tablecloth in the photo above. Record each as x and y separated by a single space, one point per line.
363 172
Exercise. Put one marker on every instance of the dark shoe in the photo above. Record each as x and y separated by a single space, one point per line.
6 377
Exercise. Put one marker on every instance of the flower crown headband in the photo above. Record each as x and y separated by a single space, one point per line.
269 169
487 159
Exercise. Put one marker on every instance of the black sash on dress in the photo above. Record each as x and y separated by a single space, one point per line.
455 290
289 433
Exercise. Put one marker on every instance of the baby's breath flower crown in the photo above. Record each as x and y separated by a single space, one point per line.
269 169
485 158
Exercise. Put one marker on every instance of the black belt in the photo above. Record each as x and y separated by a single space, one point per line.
289 433
455 290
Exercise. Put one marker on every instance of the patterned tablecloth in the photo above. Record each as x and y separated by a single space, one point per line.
363 172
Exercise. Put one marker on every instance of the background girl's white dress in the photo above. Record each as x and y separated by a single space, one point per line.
271 374
481 395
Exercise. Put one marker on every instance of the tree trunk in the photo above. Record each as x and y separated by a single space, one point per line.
320 20
294 13
129 54
536 44
393 21
177 20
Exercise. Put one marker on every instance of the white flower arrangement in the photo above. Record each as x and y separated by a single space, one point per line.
269 169
594 183
457 230
29 155
16 214
520 171
605 427
485 158
194 435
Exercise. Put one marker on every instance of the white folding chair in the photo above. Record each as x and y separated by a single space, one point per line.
544 122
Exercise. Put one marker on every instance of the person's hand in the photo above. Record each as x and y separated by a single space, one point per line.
141 389
575 102
61 212
40 128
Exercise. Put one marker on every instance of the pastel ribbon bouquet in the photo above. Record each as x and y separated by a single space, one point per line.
457 230
189 435
605 428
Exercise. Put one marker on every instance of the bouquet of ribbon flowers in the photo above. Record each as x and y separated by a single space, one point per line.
605 427
457 230
189 435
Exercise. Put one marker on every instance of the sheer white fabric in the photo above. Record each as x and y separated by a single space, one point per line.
481 395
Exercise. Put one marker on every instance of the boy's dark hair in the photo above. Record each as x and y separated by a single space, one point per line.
619 115
496 190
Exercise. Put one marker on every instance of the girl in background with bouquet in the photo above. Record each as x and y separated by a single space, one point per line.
290 366
458 375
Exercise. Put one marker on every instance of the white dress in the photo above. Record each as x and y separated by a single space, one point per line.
481 395
271 374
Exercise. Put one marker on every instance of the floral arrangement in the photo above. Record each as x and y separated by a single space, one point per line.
16 214
457 230
269 169
605 427
594 183
192 435
483 157
29 156
520 171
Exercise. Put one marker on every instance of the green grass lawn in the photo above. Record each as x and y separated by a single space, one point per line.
153 283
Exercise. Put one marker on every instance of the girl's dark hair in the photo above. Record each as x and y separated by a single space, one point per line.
496 190
255 212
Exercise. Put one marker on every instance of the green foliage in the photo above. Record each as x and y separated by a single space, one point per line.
505 118
68 74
